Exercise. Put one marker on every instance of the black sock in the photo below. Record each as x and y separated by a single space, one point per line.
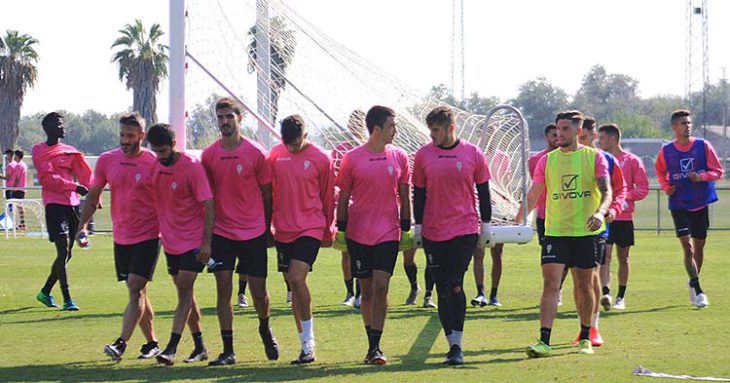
349 285
695 284
358 291
263 325
172 344
545 335
198 339
430 282
621 291
374 339
66 293
227 337
458 310
49 285
242 287
480 289
412 272
493 293
607 291
120 344
584 332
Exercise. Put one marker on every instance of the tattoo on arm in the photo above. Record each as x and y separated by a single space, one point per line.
604 185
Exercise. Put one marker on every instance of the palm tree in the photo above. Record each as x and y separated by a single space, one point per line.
282 46
18 71
142 63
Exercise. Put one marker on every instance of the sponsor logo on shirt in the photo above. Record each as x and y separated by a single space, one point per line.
687 164
569 186
378 159
283 159
229 158
446 156
128 164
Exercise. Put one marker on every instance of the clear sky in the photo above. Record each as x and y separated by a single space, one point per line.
507 43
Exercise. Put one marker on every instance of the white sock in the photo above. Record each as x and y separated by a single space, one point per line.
454 338
594 319
307 330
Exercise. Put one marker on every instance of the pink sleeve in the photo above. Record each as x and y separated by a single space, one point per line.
601 166
263 170
344 178
82 170
618 187
419 176
100 179
714 168
405 175
481 170
50 180
327 194
539 176
9 175
532 162
660 167
207 166
641 181
199 183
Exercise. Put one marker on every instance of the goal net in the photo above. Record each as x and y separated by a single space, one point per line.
275 62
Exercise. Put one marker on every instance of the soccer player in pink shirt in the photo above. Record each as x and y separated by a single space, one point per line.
9 175
303 210
21 175
128 172
687 169
447 223
240 179
185 212
377 177
56 165
621 230
356 128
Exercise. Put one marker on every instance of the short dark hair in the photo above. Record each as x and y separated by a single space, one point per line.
549 128
440 115
611 130
229 103
376 116
573 115
292 128
50 119
160 135
9 151
589 123
679 113
19 153
132 119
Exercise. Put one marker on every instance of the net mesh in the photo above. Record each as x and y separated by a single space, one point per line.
310 74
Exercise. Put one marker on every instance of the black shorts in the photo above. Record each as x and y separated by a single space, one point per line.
366 258
62 221
580 252
251 254
692 223
139 259
601 249
540 230
450 258
8 194
183 262
16 194
621 233
303 249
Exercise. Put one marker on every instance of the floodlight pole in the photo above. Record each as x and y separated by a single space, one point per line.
177 72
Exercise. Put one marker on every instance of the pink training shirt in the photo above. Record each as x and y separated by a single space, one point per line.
636 181
449 176
56 166
236 177
10 174
134 219
180 191
372 179
714 168
303 193
21 175
532 163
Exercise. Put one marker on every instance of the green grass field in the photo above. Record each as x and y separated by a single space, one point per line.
659 329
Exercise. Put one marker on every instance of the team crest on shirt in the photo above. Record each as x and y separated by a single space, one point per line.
306 164
174 185
458 166
390 170
239 168
137 177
